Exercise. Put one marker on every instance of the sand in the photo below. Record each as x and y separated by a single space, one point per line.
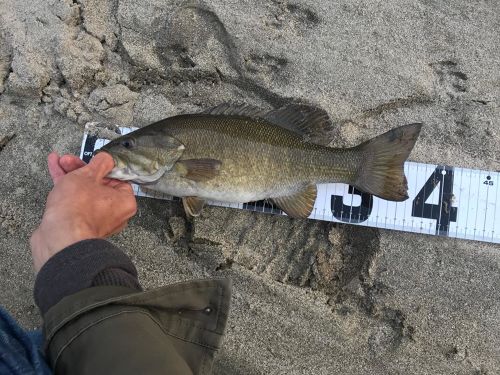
309 297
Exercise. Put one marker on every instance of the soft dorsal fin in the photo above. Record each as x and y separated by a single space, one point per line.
236 109
298 205
311 122
193 205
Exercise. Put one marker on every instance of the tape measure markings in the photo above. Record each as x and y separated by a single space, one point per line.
495 211
448 200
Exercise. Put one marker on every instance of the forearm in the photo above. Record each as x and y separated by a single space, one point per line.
96 318
108 342
113 329
87 263
97 321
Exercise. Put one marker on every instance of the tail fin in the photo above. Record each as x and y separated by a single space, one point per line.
381 172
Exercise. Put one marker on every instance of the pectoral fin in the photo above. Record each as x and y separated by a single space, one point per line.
298 205
193 205
198 169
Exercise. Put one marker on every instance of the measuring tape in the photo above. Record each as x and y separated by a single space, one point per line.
443 200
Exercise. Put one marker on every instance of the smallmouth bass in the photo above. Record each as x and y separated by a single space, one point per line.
239 153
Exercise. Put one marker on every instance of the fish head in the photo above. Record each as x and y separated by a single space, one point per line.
143 157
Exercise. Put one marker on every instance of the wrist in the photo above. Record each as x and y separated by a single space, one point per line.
48 240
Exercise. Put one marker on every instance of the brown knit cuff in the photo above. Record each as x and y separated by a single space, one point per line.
116 277
83 265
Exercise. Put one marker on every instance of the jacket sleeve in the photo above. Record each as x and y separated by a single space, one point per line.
110 328
87 263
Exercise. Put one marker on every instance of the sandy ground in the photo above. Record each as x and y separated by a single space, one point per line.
309 297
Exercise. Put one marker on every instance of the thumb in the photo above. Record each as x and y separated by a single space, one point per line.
55 170
100 165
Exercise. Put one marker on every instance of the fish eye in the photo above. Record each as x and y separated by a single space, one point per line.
128 143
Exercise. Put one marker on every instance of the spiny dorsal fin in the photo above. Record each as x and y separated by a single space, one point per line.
193 205
236 109
311 122
198 169
298 205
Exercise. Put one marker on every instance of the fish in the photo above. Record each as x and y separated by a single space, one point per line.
240 153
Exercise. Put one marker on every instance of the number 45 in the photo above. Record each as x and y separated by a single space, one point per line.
488 181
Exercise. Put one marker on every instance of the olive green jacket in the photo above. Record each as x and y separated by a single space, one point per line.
117 330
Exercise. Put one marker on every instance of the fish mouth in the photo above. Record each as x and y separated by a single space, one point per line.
128 174
124 172
100 150
121 171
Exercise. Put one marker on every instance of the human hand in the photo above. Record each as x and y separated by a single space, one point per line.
83 204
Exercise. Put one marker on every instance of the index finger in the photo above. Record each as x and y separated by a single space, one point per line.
100 165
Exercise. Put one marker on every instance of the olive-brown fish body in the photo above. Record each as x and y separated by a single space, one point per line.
241 154
258 159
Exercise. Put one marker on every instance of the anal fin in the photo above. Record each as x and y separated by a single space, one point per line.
298 205
193 205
